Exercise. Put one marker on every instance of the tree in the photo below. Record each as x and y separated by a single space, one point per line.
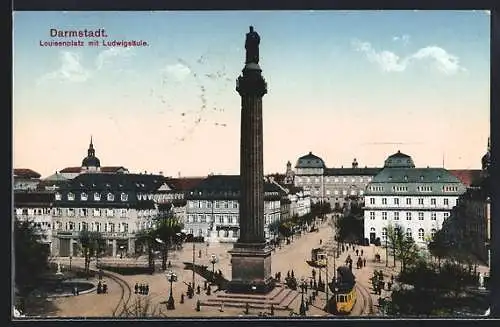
404 247
349 228
146 238
166 228
274 227
438 246
31 257
92 243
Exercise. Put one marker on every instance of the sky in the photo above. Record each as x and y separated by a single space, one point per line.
341 84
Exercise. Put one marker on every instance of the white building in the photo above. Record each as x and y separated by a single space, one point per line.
36 208
418 200
213 208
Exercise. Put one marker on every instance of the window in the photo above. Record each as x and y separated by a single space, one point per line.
97 196
207 218
445 201
123 213
421 201
372 215
456 202
217 204
110 212
396 215
421 234
372 229
83 196
219 219
433 216
446 215
433 232
71 212
408 216
58 197
361 192
384 200
111 197
84 212
200 232
408 232
230 219
384 215
408 201
124 197
209 204
71 196
190 218
71 225
327 192
316 180
336 192
344 180
433 201
190 204
420 216
200 217
384 234
125 227
396 201
235 204
97 227
336 180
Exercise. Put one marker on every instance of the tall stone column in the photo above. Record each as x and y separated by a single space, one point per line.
250 258
71 246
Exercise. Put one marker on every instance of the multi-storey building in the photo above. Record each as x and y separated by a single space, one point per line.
25 179
213 208
337 186
470 221
37 208
418 200
116 205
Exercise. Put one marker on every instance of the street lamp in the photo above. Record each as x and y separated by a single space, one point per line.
213 261
303 286
194 256
70 258
171 277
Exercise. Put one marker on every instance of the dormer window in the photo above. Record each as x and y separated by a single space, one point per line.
124 197
58 196
97 196
422 178
71 196
83 196
111 197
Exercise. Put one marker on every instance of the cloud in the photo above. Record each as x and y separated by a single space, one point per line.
179 71
405 39
109 55
390 62
71 69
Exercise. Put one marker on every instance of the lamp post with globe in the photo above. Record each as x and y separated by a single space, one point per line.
172 277
303 286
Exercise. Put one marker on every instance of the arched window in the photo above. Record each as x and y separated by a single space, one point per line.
111 197
372 229
421 234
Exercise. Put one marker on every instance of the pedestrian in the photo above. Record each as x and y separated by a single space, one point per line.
77 291
361 252
169 264
147 289
357 252
143 289
104 287
364 262
136 288
392 278
74 290
320 241
198 289
279 275
222 306
389 286
350 265
311 283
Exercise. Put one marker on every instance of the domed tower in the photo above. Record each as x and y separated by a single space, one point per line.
399 160
91 163
310 164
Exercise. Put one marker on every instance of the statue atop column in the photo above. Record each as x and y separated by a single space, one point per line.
252 46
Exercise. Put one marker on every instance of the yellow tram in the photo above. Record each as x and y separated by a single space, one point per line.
344 291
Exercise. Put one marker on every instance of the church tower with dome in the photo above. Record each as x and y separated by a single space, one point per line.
91 163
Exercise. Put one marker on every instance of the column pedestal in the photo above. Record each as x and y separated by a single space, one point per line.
251 269
114 248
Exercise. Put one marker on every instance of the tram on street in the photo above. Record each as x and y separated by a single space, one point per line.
344 290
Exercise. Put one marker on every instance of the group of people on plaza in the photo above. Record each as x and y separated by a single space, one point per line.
142 289
378 283
102 287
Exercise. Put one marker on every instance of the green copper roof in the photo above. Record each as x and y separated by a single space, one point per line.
399 160
414 175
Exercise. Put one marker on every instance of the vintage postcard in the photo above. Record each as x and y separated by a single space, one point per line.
196 164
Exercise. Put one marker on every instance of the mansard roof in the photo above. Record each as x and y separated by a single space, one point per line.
25 173
367 171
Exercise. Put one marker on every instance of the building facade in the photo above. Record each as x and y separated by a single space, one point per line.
337 186
470 221
213 208
25 179
37 208
115 205
418 200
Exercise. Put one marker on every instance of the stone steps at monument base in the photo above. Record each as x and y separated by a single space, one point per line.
271 296
281 302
